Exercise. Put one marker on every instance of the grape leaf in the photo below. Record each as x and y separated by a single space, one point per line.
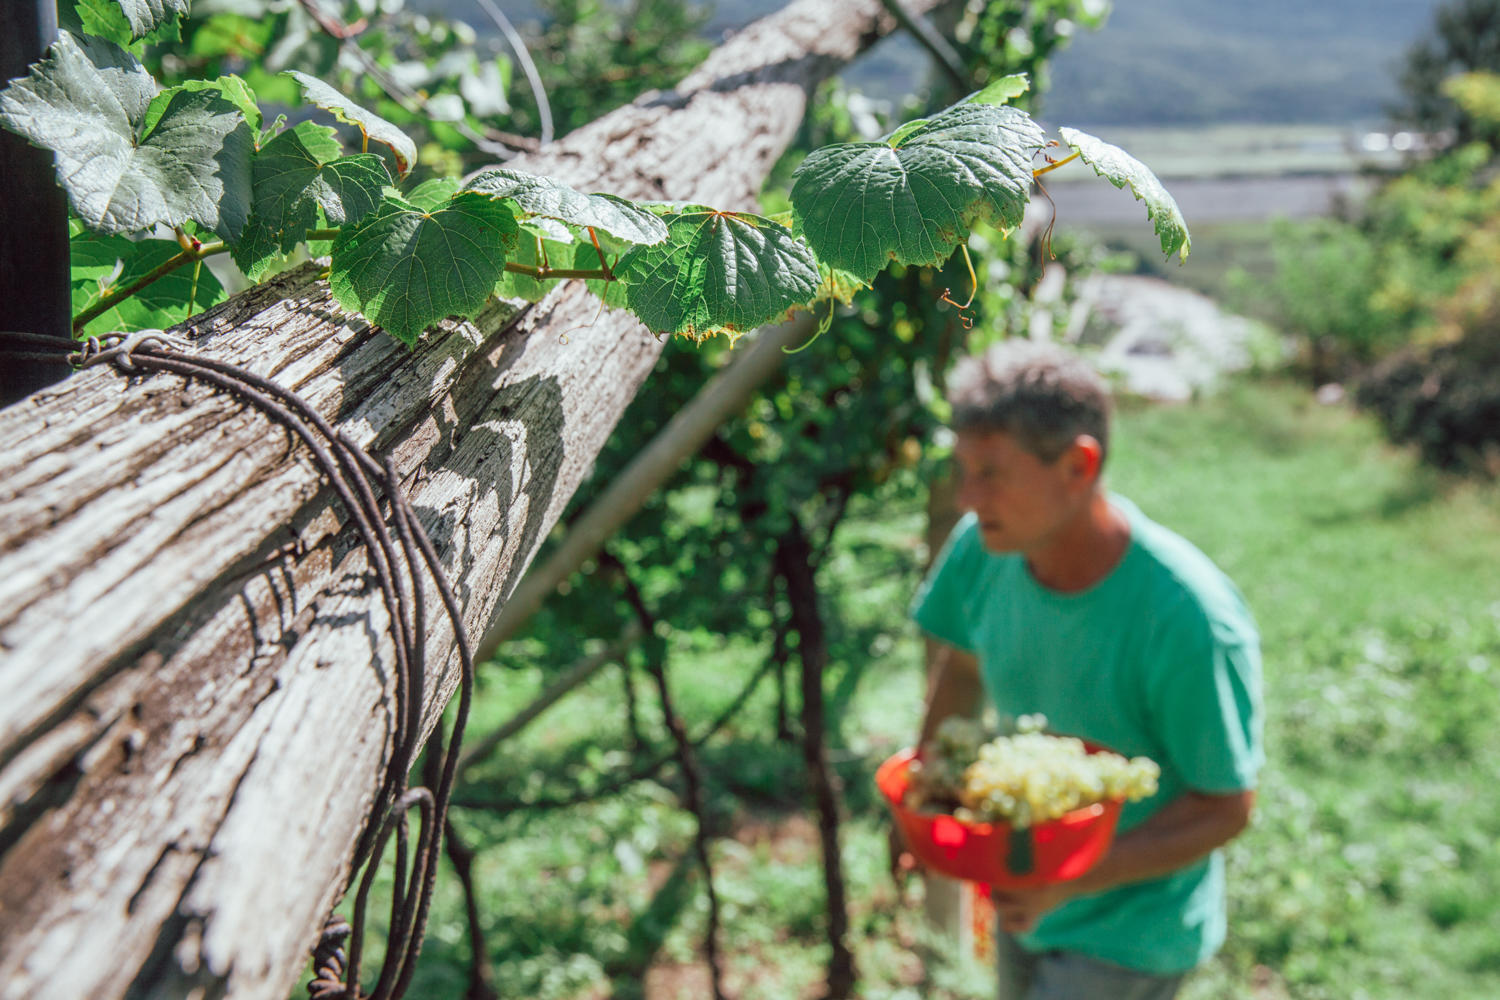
550 228
552 199
912 198
1120 168
433 192
298 173
368 122
233 89
838 284
105 19
718 272
88 102
406 268
1001 91
101 264
145 16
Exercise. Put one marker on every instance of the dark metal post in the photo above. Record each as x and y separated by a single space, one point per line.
34 296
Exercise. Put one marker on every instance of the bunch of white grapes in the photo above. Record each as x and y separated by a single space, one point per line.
937 776
1022 779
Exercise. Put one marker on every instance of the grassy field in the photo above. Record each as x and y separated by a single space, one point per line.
1371 870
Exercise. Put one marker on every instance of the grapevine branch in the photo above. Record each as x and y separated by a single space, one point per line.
640 772
166 267
656 654
794 562
1054 165
195 252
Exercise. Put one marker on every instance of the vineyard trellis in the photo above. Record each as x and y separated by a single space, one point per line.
233 659
235 650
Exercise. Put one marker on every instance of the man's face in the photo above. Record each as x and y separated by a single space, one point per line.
1020 500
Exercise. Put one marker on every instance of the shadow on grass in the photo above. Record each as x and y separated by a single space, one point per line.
1420 489
627 974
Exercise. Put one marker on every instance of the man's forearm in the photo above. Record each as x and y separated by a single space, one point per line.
955 689
1181 833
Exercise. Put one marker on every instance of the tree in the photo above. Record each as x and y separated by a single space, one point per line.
1465 37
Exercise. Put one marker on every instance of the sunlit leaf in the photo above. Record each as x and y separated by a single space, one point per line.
1120 168
1001 91
233 89
543 196
368 122
433 192
718 272
145 16
406 268
297 174
88 103
912 198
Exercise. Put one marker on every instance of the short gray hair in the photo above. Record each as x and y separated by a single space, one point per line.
1039 393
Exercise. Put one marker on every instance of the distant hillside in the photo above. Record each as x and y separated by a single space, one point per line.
1167 62
1160 62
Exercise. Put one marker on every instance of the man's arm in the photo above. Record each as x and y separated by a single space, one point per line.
1184 831
954 688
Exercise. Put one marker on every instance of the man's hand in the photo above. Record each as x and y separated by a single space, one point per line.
1180 833
1018 910
903 863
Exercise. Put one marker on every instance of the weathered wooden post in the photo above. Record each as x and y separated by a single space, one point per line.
33 214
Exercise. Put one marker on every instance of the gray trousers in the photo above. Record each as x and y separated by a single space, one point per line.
1061 975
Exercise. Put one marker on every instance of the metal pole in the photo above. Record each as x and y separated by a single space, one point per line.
34 294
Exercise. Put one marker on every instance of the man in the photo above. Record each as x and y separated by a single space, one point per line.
1054 596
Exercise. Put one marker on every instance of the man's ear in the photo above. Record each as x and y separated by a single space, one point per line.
1085 457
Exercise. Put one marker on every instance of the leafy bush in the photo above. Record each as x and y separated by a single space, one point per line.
1446 401
1326 287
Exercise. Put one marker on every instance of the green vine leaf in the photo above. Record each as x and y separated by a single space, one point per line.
101 264
105 19
1120 168
368 122
551 199
718 272
912 198
432 193
838 285
1001 91
299 175
145 16
405 268
88 103
233 89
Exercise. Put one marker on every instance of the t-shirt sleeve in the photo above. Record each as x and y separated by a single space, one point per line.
941 604
1205 696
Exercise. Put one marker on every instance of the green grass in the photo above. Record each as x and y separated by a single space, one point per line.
1371 870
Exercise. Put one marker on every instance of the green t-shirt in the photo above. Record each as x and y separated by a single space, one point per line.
1161 658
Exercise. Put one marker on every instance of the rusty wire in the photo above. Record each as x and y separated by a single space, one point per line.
353 475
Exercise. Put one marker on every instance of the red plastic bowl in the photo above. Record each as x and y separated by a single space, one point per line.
997 854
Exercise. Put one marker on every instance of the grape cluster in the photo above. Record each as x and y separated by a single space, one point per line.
1022 779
